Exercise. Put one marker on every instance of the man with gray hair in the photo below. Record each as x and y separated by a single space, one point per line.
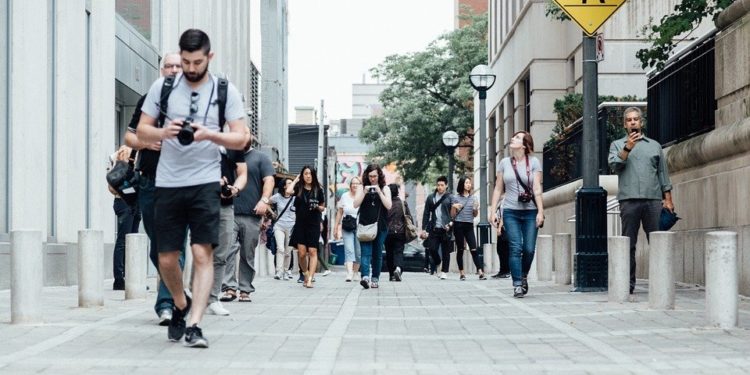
148 158
643 184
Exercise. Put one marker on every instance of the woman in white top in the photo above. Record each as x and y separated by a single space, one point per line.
282 230
346 224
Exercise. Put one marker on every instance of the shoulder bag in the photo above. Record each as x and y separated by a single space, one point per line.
410 230
368 232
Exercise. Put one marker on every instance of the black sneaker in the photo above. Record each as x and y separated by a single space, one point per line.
392 278
518 292
504 275
365 282
482 277
525 285
462 278
176 328
194 337
119 284
497 275
301 278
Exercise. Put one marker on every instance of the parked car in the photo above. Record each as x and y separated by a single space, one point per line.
414 257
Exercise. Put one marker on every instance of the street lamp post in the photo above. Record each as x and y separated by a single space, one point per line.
450 140
482 79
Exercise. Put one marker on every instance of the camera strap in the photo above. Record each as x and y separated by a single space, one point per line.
291 198
528 176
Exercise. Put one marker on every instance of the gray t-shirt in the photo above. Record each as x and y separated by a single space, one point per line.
466 214
285 221
199 162
513 187
259 166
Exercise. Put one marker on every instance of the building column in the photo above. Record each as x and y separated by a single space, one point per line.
28 114
69 125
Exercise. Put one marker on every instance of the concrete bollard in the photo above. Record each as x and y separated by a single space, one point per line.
90 268
26 276
488 251
563 266
661 271
136 256
544 257
721 279
618 275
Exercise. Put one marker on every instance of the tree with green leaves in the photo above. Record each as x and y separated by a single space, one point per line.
428 94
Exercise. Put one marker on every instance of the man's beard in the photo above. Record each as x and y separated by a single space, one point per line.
197 77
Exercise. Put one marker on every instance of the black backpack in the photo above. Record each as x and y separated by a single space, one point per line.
166 90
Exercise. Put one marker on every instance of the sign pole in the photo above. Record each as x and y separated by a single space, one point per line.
591 199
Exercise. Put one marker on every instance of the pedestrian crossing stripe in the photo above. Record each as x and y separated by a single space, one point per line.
590 15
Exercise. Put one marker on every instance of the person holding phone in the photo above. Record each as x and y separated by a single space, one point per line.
643 183
519 183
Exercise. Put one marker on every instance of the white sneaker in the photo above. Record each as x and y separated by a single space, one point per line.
215 308
165 317
277 276
327 272
443 276
288 275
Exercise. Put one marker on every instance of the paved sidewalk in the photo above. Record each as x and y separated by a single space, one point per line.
419 326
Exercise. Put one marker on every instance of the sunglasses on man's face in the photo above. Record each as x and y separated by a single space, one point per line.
194 103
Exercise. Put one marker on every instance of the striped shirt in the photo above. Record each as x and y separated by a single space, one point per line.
466 214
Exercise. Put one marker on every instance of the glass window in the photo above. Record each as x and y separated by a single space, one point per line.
137 13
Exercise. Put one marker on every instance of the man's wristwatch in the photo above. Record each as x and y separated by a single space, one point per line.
627 149
265 200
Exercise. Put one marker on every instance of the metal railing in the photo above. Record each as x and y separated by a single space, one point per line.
681 98
563 162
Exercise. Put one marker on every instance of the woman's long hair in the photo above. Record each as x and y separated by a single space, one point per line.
300 186
370 168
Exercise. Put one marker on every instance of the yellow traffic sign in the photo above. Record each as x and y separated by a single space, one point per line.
590 14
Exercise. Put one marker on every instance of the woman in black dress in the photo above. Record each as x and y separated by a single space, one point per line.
309 203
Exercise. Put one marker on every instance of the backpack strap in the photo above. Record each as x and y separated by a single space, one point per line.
166 90
222 101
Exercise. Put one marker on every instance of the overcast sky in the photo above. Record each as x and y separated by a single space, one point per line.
332 43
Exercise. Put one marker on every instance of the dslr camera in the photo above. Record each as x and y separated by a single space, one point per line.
225 190
186 134
525 197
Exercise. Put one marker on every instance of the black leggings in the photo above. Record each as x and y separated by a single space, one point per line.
465 232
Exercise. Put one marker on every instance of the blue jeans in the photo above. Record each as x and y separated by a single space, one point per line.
372 252
520 227
352 250
146 203
128 221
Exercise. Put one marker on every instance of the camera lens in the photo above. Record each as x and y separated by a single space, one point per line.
186 134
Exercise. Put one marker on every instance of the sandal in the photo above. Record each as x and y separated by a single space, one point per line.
244 297
228 296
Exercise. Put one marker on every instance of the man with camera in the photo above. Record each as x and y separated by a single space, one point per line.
188 174
643 182
436 227
148 158
249 208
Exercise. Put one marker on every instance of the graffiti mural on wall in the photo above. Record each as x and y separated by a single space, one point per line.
351 166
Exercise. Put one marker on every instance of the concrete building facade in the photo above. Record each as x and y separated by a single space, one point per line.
274 121
72 71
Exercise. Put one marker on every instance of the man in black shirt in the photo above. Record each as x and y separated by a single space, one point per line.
148 158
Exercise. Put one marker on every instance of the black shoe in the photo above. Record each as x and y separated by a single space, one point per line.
504 275
632 289
462 278
194 337
525 286
119 284
301 279
482 277
365 282
392 278
497 275
518 292
176 328
397 274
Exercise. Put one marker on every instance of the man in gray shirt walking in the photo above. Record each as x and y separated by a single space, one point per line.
643 186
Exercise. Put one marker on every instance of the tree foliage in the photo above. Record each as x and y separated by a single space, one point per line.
686 17
428 94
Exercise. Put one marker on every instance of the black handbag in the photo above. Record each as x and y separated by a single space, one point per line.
349 223
123 179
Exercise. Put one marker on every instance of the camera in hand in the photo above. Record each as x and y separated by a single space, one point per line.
186 134
225 190
524 197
